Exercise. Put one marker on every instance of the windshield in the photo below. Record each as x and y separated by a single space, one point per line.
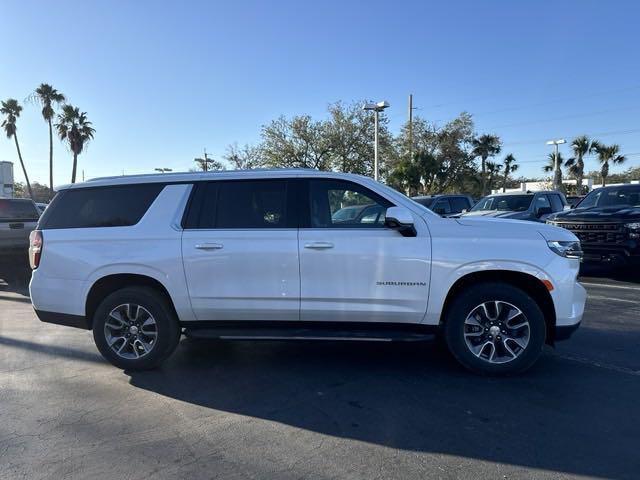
347 213
18 210
510 203
611 197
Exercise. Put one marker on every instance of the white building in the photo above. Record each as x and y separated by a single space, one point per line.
6 179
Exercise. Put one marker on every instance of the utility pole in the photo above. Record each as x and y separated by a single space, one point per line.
410 126
204 161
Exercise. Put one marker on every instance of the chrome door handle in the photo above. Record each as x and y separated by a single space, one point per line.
209 246
318 245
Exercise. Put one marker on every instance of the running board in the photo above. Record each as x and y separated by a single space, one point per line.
322 331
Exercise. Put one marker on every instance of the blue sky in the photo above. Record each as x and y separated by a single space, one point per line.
162 80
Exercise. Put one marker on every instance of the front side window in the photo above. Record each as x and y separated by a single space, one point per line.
342 204
442 207
542 202
240 204
556 202
458 204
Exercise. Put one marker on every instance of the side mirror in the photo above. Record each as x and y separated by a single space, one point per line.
400 219
567 207
464 210
543 211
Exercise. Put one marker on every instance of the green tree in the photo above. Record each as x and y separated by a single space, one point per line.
74 128
485 147
350 133
243 158
509 164
581 146
300 142
11 109
606 155
550 167
41 192
48 96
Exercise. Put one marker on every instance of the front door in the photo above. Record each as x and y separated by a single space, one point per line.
240 251
354 269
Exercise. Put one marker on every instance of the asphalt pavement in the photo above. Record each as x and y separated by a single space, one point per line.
288 410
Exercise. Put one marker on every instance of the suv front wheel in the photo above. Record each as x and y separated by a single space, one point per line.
135 328
495 328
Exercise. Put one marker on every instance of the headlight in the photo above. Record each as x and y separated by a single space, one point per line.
633 226
571 249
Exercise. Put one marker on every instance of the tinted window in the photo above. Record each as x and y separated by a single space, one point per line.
117 206
240 205
458 204
541 202
340 204
425 201
513 203
441 206
612 196
556 202
13 210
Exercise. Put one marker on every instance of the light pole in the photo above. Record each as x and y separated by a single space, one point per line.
377 108
163 170
557 173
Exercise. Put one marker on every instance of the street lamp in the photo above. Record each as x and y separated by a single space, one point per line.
557 173
377 108
163 170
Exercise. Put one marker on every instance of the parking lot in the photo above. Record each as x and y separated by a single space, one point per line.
321 410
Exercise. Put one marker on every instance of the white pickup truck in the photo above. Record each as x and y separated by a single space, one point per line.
271 254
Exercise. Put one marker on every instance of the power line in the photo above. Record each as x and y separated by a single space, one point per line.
600 134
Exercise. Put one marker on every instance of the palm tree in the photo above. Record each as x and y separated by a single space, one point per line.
74 127
485 146
581 146
606 155
47 96
551 166
510 166
11 109
493 170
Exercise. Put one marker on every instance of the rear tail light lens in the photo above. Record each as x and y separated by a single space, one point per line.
35 248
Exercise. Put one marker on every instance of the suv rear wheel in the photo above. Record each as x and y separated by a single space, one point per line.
495 328
135 328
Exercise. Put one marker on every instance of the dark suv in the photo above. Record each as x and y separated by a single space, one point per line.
535 206
607 222
445 205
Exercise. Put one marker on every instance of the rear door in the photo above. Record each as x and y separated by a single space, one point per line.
359 270
240 250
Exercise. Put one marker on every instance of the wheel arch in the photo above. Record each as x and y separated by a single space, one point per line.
108 284
530 284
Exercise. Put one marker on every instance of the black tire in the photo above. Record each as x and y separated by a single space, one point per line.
167 327
467 301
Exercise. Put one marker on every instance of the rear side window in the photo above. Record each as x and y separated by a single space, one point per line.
17 210
117 206
242 204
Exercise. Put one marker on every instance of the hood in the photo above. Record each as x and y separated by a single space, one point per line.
617 213
511 228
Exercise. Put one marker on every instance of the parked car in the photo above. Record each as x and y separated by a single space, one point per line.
534 206
18 217
607 222
446 204
41 207
368 213
258 254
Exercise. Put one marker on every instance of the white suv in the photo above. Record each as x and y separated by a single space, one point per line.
273 254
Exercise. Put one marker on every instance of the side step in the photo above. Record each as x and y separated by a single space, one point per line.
321 331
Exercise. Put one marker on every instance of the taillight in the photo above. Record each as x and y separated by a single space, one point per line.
35 248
